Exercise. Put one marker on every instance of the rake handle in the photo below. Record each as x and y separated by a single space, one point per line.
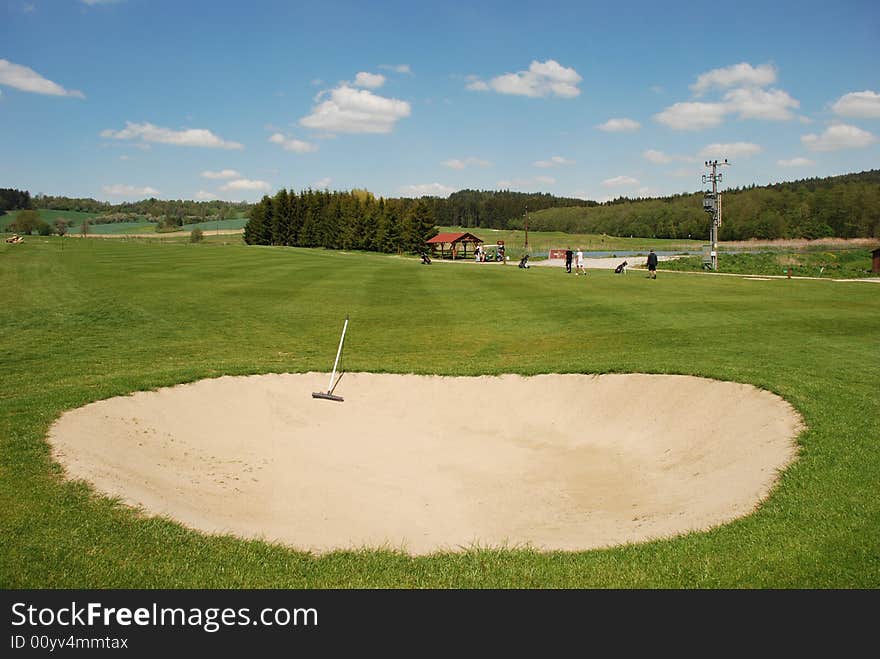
338 353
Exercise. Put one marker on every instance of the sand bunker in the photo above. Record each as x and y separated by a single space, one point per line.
427 463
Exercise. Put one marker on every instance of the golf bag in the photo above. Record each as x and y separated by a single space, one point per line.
524 261
426 260
621 269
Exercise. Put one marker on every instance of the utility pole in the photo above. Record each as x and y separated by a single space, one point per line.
712 205
526 245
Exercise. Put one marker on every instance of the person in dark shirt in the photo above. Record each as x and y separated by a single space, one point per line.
568 257
652 265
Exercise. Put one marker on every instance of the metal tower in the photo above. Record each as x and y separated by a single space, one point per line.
712 205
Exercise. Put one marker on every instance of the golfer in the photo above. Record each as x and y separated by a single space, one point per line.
579 262
652 265
568 255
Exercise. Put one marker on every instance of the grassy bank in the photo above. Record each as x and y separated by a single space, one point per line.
844 264
104 318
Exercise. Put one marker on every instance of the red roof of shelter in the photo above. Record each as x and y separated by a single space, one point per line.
453 238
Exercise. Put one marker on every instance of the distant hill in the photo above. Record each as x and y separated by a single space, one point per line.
846 206
494 209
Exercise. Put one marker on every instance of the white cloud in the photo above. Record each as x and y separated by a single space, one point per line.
620 181
475 84
647 192
369 80
125 157
753 103
839 136
548 78
795 162
222 174
100 2
397 68
742 74
27 80
691 116
204 195
621 125
657 157
322 183
147 132
350 110
455 163
548 180
864 105
732 150
555 161
290 144
245 184
122 190
749 99
427 189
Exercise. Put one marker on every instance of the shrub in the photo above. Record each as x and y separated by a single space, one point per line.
196 235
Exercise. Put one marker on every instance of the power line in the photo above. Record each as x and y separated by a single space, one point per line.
712 205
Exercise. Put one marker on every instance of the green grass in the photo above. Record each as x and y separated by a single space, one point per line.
843 264
105 318
48 216
235 223
543 241
135 227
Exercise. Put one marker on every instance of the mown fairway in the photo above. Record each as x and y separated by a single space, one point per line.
105 318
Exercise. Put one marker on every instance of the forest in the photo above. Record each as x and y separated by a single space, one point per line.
846 206
841 206
11 200
170 211
341 220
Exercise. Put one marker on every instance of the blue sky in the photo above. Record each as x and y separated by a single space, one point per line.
125 99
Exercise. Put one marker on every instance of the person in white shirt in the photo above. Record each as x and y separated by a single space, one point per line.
579 262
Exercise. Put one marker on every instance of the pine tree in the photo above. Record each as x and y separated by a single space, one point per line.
281 218
258 230
418 227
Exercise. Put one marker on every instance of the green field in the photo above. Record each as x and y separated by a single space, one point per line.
48 216
543 241
104 318
142 226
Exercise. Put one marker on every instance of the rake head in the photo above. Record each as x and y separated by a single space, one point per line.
327 396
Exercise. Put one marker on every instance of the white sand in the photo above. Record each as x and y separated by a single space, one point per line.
426 463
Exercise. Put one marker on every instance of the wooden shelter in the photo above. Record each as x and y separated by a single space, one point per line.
454 241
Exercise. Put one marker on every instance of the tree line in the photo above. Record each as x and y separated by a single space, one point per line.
340 220
495 209
845 206
11 200
841 206
172 211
